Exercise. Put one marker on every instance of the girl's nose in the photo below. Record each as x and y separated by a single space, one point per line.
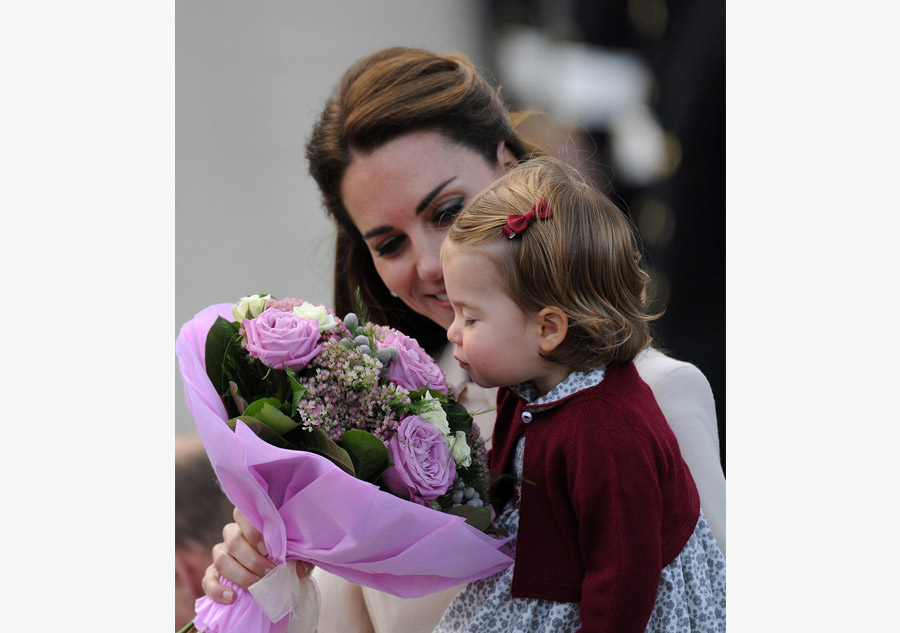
453 332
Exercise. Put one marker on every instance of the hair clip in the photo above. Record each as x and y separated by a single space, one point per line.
517 222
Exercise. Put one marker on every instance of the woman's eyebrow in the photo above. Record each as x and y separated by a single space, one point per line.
432 195
376 232
423 204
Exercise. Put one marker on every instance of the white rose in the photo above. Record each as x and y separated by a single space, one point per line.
433 412
460 450
318 314
254 304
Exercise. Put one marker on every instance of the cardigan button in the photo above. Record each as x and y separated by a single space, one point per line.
526 416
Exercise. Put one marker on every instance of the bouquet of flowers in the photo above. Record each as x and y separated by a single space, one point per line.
341 442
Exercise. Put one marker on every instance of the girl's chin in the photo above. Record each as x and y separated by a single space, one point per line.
481 382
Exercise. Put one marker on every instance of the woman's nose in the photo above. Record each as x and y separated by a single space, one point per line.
428 264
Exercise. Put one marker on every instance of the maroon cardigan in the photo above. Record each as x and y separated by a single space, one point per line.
607 500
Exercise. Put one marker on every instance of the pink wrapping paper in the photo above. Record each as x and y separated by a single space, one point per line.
308 509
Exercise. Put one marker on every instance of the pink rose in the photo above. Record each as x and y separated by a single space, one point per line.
282 339
423 467
413 369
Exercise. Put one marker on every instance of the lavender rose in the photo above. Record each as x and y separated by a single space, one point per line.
413 369
281 339
423 468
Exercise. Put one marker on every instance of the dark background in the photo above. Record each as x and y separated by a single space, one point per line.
680 213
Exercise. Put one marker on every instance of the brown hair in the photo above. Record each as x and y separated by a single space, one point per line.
381 97
583 259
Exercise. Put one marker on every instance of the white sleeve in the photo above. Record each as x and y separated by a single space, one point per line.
343 607
686 400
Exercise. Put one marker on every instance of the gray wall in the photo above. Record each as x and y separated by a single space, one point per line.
250 79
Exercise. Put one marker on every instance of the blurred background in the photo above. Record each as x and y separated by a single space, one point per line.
631 91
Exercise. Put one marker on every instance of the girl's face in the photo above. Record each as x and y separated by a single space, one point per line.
403 197
497 342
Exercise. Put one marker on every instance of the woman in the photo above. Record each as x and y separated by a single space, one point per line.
408 138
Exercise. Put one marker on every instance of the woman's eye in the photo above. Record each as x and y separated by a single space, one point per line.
447 214
389 246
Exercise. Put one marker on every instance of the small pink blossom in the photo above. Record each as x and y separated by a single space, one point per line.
423 467
282 339
285 305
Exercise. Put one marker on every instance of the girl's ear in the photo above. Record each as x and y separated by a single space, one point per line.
554 325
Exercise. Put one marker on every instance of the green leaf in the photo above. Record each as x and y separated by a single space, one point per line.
317 441
368 453
237 369
362 311
268 411
221 332
275 384
458 418
264 432
419 394
253 379
298 390
478 518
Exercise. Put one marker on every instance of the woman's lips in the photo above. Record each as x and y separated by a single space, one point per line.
441 299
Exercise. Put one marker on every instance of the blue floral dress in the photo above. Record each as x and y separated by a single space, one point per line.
690 598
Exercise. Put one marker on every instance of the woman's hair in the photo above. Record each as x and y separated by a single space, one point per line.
584 259
381 97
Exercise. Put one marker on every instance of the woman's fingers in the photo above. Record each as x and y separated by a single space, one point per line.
241 558
214 589
250 533
238 560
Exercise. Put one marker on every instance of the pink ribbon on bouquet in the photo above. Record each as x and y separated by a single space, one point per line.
308 509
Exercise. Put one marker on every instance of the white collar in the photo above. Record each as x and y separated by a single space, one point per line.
571 384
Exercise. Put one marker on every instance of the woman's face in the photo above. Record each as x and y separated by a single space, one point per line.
403 197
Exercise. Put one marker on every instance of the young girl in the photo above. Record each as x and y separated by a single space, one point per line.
549 303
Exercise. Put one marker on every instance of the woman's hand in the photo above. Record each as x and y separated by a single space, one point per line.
241 558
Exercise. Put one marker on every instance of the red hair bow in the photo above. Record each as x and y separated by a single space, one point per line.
518 222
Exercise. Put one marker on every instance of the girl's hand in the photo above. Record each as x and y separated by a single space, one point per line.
241 558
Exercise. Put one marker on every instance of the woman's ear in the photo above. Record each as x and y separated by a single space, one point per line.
506 160
554 325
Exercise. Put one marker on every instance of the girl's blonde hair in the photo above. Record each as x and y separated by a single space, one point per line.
583 259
